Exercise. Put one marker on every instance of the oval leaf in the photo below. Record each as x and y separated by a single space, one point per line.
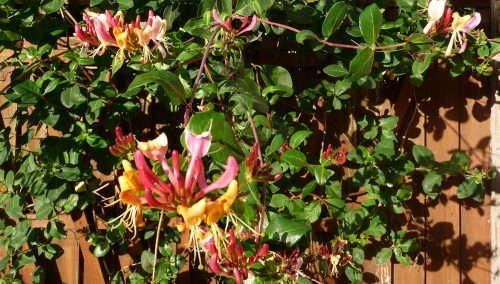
361 64
370 23
166 79
334 18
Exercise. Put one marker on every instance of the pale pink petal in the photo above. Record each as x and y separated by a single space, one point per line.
103 35
198 145
472 23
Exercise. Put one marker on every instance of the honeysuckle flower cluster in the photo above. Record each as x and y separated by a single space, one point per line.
184 194
440 22
124 144
107 30
230 260
334 157
289 264
227 26
335 254
257 170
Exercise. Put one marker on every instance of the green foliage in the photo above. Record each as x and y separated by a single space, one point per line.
242 96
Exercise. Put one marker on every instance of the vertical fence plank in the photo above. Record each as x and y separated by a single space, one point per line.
474 141
413 220
442 137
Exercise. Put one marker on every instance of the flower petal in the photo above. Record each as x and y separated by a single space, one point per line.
198 145
436 9
224 180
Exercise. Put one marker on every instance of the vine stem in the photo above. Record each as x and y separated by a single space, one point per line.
196 84
31 67
157 241
333 44
264 192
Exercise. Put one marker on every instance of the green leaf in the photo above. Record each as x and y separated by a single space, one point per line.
25 93
460 159
404 193
55 229
43 207
71 97
52 251
147 260
299 137
52 6
370 23
20 234
261 6
102 248
25 259
432 184
354 274
322 174
407 5
361 64
242 103
169 81
14 207
334 189
358 255
304 35
334 19
311 212
335 70
423 156
38 275
288 231
117 278
295 159
125 4
467 188
409 245
383 255
279 200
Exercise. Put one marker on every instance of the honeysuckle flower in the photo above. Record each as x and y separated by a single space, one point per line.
106 30
230 260
124 144
257 170
179 190
154 148
131 194
194 215
228 26
435 10
221 205
335 157
289 264
335 255
459 27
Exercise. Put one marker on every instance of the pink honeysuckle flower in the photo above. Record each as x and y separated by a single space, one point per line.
106 30
435 11
463 25
228 27
180 190
230 260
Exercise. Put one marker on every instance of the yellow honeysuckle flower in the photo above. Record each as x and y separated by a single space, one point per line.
131 191
193 215
221 205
